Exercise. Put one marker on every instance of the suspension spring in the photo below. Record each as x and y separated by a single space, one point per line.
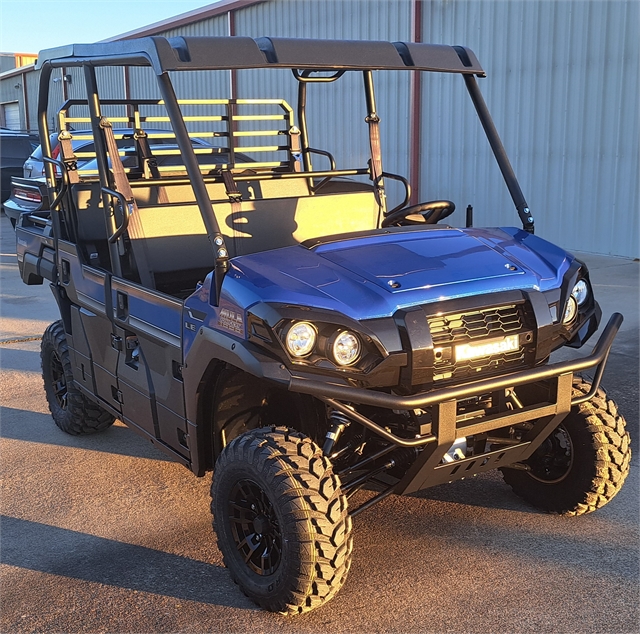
339 422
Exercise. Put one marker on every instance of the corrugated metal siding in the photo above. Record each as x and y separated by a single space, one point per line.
336 111
563 88
216 26
33 80
563 91
143 83
55 97
8 90
322 19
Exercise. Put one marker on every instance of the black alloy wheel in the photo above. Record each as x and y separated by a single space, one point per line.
255 527
72 411
583 463
58 380
552 461
281 519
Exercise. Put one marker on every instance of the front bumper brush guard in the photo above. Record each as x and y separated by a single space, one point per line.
332 393
429 469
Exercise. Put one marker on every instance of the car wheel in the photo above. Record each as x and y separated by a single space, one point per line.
72 411
281 520
582 464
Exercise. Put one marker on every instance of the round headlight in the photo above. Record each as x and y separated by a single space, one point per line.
346 348
571 310
580 292
301 338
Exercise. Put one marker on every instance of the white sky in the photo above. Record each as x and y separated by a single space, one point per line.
27 26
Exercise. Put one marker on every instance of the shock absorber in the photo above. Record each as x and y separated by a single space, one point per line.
339 422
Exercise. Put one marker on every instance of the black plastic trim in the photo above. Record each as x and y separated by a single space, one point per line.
466 390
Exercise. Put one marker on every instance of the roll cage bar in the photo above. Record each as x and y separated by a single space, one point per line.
304 57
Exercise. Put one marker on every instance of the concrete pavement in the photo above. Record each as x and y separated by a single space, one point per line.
102 534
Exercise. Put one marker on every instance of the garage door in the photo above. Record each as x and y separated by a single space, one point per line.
11 117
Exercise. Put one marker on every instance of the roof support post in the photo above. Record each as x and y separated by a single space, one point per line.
43 123
415 113
302 122
101 158
43 130
374 142
233 84
221 254
499 152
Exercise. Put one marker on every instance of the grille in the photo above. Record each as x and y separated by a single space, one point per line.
447 331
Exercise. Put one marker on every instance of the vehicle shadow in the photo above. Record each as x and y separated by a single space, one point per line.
39 427
68 553
19 359
486 491
602 544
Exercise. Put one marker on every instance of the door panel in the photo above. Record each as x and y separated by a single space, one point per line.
88 288
149 327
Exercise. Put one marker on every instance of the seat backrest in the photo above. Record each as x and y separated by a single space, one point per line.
173 235
91 220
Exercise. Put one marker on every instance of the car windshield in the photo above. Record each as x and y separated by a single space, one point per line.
124 139
16 147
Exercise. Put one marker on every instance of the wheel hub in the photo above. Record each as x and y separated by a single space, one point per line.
255 528
262 525
552 461
58 380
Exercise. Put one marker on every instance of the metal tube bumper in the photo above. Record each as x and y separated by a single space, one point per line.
598 357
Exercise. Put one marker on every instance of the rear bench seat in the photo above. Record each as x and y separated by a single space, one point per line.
276 213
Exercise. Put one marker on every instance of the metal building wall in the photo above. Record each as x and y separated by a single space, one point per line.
14 88
563 90
562 87
336 111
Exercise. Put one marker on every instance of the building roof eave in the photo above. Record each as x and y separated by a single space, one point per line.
197 15
17 71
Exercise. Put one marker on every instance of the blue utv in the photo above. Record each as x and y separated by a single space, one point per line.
278 325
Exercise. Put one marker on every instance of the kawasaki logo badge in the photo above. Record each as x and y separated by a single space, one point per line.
467 351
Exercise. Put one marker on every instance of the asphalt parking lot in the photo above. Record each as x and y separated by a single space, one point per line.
103 534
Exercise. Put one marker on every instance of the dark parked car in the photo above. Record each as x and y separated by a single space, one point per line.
15 147
27 194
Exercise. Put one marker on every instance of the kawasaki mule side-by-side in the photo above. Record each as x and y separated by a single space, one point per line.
279 325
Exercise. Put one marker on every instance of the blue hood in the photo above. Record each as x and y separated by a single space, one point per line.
374 276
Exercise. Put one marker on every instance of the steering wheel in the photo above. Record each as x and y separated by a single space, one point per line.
423 214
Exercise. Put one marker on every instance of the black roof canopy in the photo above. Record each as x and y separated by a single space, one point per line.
220 53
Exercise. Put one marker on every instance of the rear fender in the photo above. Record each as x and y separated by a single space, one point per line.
35 252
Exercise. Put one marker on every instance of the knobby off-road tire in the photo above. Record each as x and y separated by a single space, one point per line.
72 411
281 520
584 462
